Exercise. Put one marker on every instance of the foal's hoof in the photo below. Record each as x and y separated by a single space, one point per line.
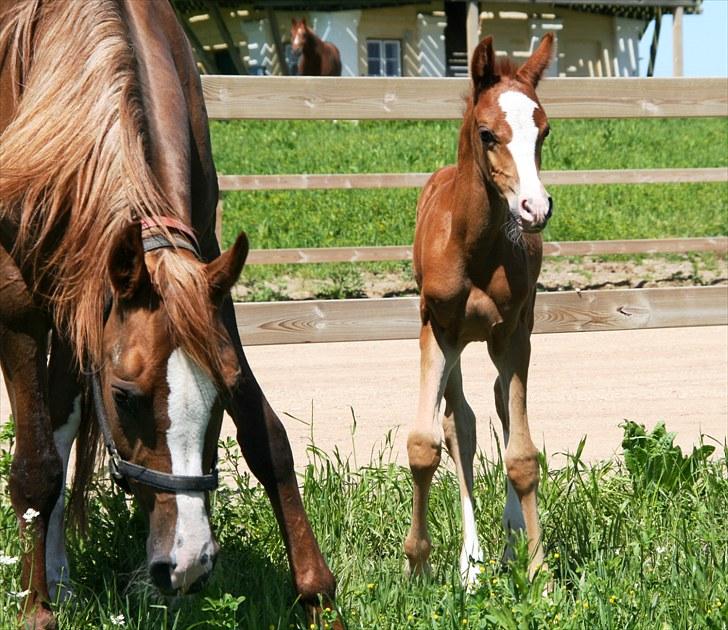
323 617
417 569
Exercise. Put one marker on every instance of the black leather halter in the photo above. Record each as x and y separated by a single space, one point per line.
123 471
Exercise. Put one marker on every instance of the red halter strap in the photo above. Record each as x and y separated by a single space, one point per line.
172 224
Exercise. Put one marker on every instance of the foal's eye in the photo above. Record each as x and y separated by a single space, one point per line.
487 137
546 132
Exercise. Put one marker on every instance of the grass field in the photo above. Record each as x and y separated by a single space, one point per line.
327 218
641 543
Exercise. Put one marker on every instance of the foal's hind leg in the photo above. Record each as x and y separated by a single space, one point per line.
521 455
65 410
267 451
460 437
424 441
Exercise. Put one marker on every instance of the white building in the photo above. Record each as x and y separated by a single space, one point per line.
598 38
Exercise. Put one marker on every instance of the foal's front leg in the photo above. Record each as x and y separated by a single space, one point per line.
424 442
521 456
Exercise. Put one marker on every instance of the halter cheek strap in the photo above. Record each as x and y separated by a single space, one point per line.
123 471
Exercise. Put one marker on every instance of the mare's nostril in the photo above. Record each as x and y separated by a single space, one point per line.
161 573
524 205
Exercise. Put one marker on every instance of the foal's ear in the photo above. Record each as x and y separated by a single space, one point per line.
533 69
127 270
223 272
482 66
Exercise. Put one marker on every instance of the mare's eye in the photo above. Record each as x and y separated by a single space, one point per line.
546 132
487 137
126 400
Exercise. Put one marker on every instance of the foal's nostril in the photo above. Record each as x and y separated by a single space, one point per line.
550 211
161 573
524 205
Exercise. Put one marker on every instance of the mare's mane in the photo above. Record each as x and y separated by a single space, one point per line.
75 172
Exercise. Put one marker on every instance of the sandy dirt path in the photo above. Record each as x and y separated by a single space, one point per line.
580 384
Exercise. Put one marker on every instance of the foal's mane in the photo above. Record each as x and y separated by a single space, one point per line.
75 171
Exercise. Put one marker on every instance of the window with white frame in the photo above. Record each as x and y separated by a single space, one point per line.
384 58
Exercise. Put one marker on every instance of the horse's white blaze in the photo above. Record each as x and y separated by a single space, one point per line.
191 396
518 110
471 552
56 558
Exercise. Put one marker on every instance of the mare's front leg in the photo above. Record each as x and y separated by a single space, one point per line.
35 474
424 442
65 410
267 451
521 455
460 438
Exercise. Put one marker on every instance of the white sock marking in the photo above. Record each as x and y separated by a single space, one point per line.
471 552
56 558
191 396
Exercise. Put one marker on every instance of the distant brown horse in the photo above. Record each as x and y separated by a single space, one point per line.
477 255
107 214
317 57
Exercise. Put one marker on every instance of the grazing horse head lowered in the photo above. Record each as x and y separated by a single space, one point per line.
107 214
317 58
477 256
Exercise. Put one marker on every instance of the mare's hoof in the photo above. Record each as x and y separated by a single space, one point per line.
325 617
39 619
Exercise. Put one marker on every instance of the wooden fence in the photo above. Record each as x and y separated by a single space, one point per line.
284 98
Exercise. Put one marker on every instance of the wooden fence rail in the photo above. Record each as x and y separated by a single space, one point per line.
718 244
329 98
265 323
417 180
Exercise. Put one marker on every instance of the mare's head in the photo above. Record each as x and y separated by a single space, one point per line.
167 364
509 126
299 34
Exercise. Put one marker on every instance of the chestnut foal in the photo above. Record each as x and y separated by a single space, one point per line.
477 255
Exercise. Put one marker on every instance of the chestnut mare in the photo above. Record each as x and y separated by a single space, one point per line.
107 213
317 57
477 255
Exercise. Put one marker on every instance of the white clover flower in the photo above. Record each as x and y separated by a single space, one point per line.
19 594
6 561
30 515
118 620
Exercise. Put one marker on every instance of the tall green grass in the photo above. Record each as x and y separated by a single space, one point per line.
638 543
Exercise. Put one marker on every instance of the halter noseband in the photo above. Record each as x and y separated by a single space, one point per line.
122 471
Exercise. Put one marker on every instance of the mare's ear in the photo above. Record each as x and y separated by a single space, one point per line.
223 272
303 21
127 269
533 69
482 66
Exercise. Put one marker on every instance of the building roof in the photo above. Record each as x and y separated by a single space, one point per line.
624 8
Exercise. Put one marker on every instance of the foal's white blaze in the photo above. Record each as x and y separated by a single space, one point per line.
518 110
56 558
471 552
191 396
